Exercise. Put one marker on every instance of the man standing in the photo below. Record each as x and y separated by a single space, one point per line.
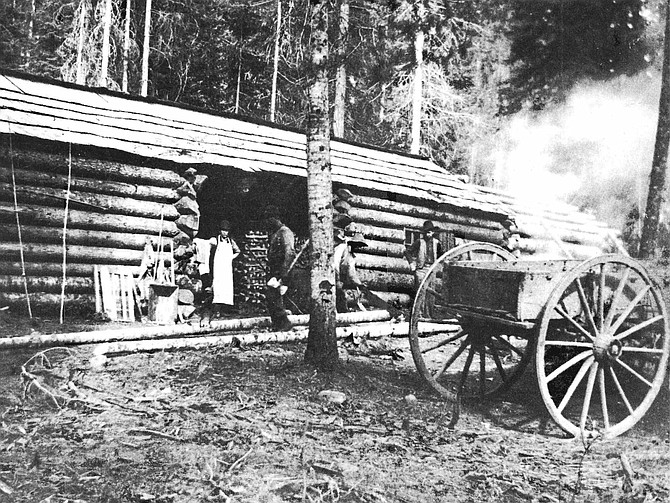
221 256
348 283
281 254
423 253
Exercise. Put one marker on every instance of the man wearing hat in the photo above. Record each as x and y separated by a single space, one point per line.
423 252
281 255
223 251
510 237
347 281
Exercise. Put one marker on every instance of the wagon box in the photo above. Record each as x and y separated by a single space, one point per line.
518 289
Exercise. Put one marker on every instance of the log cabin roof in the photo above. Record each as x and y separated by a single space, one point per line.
65 112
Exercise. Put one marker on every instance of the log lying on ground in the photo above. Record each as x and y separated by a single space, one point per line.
77 219
372 330
46 284
41 234
123 189
392 220
373 203
153 332
100 203
105 170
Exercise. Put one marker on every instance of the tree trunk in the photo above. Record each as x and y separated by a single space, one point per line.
341 75
145 49
106 30
275 66
126 48
417 92
322 342
81 75
660 161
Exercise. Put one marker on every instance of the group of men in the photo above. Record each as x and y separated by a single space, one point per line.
282 257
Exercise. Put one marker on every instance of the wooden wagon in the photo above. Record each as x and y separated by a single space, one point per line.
597 329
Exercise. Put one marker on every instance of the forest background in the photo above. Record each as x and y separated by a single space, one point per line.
545 99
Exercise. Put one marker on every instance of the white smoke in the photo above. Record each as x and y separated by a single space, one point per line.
594 151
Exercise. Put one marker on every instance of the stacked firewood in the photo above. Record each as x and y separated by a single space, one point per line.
250 268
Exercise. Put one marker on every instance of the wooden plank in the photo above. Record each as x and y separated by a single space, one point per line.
98 293
108 298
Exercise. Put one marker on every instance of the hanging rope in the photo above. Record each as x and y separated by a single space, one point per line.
18 228
67 207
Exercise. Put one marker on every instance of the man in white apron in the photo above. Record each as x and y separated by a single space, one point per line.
223 251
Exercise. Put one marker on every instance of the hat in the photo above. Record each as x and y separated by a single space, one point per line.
342 206
224 225
341 220
190 172
344 194
429 226
357 240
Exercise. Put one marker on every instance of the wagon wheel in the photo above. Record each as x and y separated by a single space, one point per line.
446 360
602 347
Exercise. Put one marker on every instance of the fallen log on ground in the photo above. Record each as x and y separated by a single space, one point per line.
374 330
154 332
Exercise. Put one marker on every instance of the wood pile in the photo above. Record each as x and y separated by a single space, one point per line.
249 269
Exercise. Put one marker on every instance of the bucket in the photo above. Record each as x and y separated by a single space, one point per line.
163 301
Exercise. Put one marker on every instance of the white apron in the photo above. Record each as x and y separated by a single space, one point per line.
222 275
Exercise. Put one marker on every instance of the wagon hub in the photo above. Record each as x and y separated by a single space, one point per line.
606 346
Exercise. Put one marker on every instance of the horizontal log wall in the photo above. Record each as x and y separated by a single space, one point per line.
114 210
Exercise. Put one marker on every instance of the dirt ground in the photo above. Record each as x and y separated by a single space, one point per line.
246 424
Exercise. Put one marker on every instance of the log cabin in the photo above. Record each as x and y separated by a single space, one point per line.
100 173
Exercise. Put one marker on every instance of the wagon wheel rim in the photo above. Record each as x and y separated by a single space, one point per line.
602 347
479 352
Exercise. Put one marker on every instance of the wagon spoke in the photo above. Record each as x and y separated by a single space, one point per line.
630 307
634 372
601 299
573 323
570 363
499 365
448 340
587 396
573 386
482 371
619 388
603 397
466 368
451 359
617 295
638 327
509 345
585 305
570 344
631 349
